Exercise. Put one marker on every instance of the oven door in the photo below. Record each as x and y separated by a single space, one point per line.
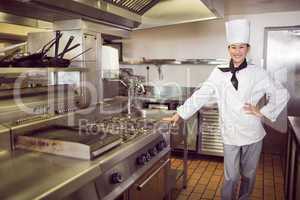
153 184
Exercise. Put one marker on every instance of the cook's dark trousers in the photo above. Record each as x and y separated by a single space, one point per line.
240 160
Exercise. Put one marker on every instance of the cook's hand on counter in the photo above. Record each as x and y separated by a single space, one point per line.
174 119
252 110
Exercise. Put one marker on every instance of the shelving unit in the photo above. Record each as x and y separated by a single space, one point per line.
20 70
177 62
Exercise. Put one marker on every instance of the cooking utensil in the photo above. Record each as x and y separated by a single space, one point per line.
36 59
11 47
67 50
8 80
51 43
5 61
71 38
81 53
66 62
57 43
58 61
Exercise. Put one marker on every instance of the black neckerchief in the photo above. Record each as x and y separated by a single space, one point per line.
233 70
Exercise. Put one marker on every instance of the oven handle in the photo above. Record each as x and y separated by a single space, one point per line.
140 187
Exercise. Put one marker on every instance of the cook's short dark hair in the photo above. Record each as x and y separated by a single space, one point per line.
248 45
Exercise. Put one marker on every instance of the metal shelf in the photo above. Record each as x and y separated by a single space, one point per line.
20 70
177 62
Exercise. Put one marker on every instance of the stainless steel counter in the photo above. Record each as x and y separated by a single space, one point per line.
32 175
179 99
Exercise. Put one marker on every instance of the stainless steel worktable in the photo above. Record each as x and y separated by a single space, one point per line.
32 175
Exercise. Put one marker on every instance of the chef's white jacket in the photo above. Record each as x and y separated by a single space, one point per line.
238 127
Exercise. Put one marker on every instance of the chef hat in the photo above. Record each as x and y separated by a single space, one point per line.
237 31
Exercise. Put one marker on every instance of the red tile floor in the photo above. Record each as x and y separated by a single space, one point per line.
205 177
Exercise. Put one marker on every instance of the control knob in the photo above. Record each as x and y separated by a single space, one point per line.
116 178
164 143
153 151
148 156
141 160
160 146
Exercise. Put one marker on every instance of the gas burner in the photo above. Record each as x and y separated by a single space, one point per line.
146 123
32 119
128 128
127 137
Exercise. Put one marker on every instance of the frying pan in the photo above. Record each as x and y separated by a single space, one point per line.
36 59
61 62
71 38
5 61
57 43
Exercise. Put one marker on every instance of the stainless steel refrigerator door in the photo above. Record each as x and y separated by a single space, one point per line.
282 61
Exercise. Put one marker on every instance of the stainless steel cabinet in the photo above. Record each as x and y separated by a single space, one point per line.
292 167
152 185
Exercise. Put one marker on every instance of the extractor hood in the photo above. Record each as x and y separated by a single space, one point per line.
127 14
170 12
137 6
53 10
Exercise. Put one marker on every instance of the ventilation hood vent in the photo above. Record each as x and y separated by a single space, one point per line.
137 6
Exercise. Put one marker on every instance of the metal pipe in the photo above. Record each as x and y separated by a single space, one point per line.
129 96
160 73
147 74
12 47
131 86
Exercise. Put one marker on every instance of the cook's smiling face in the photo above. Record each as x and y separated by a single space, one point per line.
238 52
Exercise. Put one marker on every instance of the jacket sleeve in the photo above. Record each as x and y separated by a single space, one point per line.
200 97
277 96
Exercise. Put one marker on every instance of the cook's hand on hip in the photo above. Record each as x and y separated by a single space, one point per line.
252 110
174 119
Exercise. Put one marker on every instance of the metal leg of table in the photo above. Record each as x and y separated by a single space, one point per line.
185 156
